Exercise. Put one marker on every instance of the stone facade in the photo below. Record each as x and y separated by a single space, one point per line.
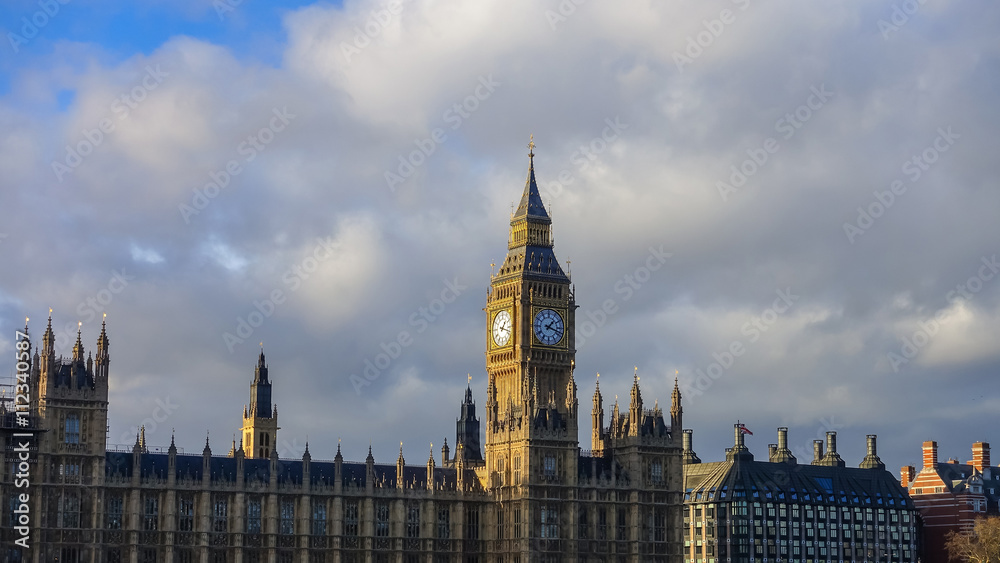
530 494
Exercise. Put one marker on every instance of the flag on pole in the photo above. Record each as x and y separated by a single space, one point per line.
745 430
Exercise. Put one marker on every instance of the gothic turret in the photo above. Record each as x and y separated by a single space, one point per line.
467 430
400 466
635 407
260 420
103 358
260 389
676 410
597 420
78 347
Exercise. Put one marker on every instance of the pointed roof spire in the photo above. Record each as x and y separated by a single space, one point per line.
48 338
78 347
675 396
102 340
531 201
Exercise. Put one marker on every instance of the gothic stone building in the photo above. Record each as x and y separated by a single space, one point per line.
742 510
529 494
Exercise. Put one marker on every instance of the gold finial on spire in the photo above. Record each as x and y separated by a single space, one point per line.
470 378
531 146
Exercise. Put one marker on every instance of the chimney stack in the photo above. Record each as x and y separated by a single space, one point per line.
688 455
930 455
782 454
831 443
772 451
871 460
981 455
906 474
817 451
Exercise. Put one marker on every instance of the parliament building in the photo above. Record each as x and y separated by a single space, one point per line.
517 488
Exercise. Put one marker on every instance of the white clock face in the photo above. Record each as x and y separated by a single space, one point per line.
502 327
548 327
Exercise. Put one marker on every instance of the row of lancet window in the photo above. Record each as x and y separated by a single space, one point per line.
70 516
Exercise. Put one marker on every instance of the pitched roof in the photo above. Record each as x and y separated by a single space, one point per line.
743 479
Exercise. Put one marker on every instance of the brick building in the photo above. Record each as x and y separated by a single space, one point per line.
950 495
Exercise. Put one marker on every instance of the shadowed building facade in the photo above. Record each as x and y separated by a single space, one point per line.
520 492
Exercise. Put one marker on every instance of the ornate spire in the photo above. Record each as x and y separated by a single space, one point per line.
102 340
48 339
260 390
260 372
78 347
676 411
531 201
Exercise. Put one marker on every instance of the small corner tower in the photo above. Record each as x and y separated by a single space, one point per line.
260 420
467 429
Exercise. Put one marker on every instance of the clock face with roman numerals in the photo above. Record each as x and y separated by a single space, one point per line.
502 327
548 326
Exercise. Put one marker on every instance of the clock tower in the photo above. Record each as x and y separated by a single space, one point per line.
531 412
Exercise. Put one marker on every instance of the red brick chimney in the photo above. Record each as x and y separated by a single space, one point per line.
980 455
906 474
930 455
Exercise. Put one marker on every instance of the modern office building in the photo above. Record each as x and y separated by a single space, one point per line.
744 510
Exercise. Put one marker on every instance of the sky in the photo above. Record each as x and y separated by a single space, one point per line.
790 206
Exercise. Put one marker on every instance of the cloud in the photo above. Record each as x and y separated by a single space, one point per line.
316 191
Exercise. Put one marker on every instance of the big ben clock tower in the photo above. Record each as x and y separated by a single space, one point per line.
531 420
